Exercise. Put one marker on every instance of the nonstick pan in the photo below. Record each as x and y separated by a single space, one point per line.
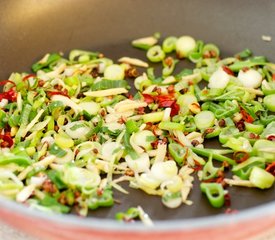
30 28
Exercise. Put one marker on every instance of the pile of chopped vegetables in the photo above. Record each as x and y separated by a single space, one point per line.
72 131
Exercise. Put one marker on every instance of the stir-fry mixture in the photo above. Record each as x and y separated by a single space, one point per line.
71 132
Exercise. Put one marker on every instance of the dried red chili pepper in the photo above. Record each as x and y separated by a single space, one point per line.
166 103
175 109
4 82
28 76
246 117
227 70
271 168
230 211
271 138
63 93
10 95
148 98
245 69
197 167
227 200
240 156
253 136
6 140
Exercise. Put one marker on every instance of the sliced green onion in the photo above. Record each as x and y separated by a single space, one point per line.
211 50
170 126
153 117
169 44
204 119
145 43
254 128
114 72
269 102
184 46
261 178
155 54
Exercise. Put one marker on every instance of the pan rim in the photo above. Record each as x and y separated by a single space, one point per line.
98 224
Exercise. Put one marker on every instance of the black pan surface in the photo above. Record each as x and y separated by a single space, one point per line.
31 28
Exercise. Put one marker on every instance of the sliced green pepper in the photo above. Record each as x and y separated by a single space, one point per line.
214 193
104 199
227 109
169 65
169 44
52 58
129 215
19 159
206 152
178 152
53 204
155 54
227 132
243 169
209 171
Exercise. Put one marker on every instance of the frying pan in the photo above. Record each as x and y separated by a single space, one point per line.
31 28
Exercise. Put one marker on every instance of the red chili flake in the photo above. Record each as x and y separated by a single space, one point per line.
63 93
206 54
140 110
77 194
240 156
197 167
227 200
273 76
166 103
245 69
148 98
228 70
6 140
171 89
246 117
10 95
49 187
254 136
162 99
168 61
226 165
62 199
205 91
129 172
148 125
176 140
190 83
175 109
207 131
99 192
230 211
29 76
129 96
271 168
155 144
271 138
